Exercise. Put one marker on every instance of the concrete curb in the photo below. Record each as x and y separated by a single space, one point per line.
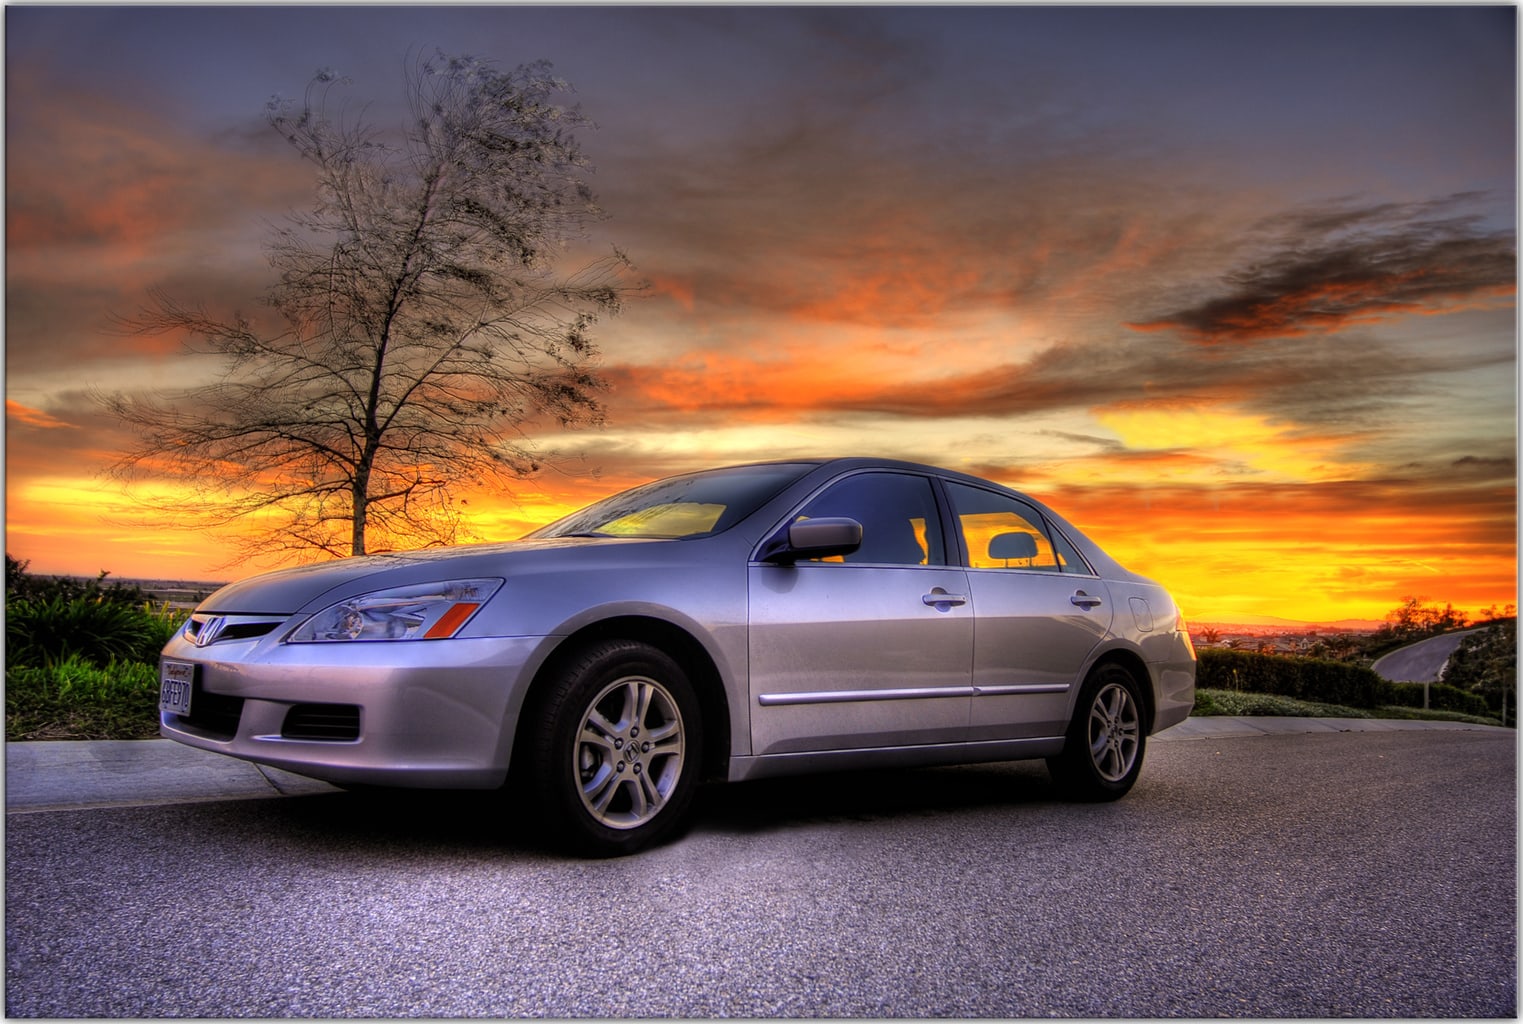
48 775
104 773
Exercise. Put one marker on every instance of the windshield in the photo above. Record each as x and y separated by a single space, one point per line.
695 505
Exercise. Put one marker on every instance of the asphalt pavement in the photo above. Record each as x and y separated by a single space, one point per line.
47 775
1367 875
1422 662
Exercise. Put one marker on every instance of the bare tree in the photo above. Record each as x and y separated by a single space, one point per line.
417 324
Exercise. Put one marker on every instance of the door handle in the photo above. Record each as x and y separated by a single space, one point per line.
939 598
1084 600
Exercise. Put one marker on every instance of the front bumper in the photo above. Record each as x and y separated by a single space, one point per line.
425 714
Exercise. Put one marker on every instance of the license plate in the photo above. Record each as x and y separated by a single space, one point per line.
176 680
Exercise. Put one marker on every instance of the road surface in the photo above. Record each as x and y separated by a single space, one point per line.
1420 662
1329 875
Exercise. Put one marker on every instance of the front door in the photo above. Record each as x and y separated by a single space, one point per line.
867 650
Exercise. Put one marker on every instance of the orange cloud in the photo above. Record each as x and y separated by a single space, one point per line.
743 386
896 272
33 417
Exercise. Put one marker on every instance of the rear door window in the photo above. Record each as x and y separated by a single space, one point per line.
1001 532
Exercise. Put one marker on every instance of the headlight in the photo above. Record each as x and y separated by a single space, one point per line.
429 611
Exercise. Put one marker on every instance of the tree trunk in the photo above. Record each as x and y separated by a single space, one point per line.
360 508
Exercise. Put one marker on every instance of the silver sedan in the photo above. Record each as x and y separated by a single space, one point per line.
768 619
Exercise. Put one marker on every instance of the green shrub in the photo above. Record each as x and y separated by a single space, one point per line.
1441 697
77 700
1486 664
48 631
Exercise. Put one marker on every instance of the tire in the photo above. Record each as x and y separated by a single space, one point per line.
1102 755
614 749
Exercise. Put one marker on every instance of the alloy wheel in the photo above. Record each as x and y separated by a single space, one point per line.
1115 731
629 752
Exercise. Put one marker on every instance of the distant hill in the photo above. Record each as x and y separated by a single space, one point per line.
1275 624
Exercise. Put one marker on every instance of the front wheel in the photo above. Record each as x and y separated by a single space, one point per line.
1102 755
614 748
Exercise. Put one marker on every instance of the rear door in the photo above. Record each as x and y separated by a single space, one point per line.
1040 612
871 649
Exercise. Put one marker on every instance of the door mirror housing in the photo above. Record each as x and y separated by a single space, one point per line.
813 538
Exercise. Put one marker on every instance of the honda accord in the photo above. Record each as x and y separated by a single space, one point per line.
758 620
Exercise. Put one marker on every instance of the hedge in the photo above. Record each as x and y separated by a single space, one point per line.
1327 682
1311 679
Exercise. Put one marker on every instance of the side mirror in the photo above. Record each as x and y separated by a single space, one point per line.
813 538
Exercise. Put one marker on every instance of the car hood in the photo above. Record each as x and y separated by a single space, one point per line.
287 591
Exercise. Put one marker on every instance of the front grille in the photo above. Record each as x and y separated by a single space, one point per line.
202 629
214 713
245 630
332 723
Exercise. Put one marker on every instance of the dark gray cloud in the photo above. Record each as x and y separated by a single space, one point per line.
1333 268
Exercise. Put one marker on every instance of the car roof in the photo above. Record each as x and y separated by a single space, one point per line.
839 463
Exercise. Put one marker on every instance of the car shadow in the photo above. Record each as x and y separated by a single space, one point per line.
493 823
405 819
767 804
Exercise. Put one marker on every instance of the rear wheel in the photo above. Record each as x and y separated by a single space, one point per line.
1102 755
614 748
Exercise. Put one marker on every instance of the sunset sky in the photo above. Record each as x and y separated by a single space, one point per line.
1234 289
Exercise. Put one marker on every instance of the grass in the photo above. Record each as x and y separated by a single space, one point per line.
74 699
1210 702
